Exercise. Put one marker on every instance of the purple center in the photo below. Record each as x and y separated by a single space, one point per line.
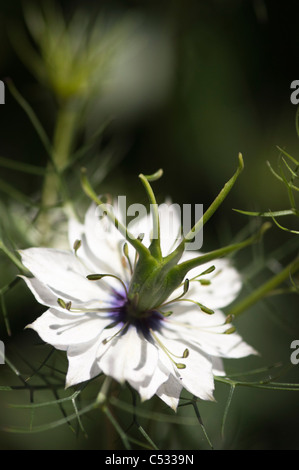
122 312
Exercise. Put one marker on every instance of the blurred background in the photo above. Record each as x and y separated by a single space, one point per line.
184 86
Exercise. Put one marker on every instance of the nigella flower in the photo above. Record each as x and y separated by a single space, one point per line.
124 306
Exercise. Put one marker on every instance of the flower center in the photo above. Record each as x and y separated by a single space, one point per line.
124 312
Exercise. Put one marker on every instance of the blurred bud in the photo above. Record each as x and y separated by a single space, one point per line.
118 64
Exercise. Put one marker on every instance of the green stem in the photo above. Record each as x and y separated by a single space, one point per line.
267 287
64 135
186 266
62 146
216 203
155 247
32 116
102 396
13 258
117 427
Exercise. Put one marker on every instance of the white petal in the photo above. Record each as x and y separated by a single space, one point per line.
75 230
225 283
170 226
170 392
129 357
63 273
149 386
83 363
142 224
102 244
206 331
197 377
41 292
218 368
46 296
62 329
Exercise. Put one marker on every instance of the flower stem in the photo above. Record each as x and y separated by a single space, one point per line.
13 258
155 247
216 203
267 287
102 396
64 135
62 146
117 427
186 266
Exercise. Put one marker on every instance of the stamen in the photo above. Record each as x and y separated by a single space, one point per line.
107 340
76 246
68 306
205 328
63 304
169 353
230 331
165 314
95 310
185 290
204 282
186 287
186 353
229 319
202 307
204 273
98 277
208 271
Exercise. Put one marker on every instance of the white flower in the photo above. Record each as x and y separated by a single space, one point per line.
156 352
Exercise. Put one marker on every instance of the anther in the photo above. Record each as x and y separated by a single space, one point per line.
186 286
205 309
186 353
61 302
230 331
229 319
166 314
76 246
95 277
98 277
204 282
204 273
107 340
169 354
208 271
